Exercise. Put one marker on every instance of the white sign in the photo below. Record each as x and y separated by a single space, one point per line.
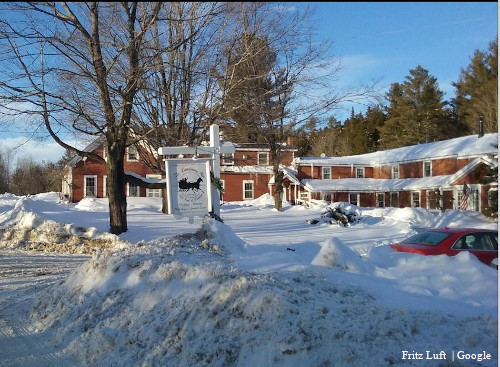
189 190
214 149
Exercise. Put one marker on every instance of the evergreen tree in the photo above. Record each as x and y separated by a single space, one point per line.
477 91
416 113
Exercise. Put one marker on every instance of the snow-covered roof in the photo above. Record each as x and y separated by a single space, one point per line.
374 184
89 148
247 169
463 147
402 184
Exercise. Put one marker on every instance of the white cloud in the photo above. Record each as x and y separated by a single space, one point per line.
21 147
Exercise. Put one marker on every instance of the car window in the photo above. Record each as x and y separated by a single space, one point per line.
427 238
494 240
477 241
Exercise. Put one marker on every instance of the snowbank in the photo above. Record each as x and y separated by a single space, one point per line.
181 301
261 289
21 226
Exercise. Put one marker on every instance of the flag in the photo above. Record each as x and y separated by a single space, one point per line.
465 197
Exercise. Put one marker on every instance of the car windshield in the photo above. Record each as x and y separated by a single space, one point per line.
426 238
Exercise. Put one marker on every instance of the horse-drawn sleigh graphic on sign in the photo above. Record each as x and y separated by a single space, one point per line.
185 185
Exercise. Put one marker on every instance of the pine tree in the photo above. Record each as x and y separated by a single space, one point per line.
416 113
477 91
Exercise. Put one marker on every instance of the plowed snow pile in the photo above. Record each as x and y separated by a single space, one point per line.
180 301
23 227
264 288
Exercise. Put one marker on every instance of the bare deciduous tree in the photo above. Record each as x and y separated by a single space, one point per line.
77 67
277 76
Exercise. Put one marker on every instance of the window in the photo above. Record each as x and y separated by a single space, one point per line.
227 159
90 186
327 173
223 185
473 201
153 193
133 190
492 197
433 198
380 200
427 238
354 199
394 199
477 241
427 168
132 154
328 197
415 199
360 172
263 159
104 186
248 193
395 172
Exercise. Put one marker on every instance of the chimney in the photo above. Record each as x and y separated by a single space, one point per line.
481 127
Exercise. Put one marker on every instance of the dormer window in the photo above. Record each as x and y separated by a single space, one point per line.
132 154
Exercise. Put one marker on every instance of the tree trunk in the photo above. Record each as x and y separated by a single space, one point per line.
278 187
116 188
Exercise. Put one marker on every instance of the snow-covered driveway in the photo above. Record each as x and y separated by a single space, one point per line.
23 276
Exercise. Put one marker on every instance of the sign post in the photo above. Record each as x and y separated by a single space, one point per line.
189 189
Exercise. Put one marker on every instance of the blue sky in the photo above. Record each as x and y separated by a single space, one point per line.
375 41
385 40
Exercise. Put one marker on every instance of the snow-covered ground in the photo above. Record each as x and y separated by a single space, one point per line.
264 288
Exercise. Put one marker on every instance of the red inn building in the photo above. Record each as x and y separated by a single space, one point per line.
430 175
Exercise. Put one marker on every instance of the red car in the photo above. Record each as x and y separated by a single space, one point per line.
483 243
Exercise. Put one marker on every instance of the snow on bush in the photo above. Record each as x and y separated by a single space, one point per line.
181 301
335 253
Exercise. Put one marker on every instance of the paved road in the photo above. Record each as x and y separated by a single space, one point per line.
23 276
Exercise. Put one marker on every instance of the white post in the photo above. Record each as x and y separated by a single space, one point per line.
215 149
215 143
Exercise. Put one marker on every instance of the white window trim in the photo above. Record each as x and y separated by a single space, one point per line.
85 185
423 171
360 168
253 189
474 201
383 199
357 198
127 154
223 185
391 204
227 159
394 173
149 191
419 199
104 185
267 158
138 191
329 173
